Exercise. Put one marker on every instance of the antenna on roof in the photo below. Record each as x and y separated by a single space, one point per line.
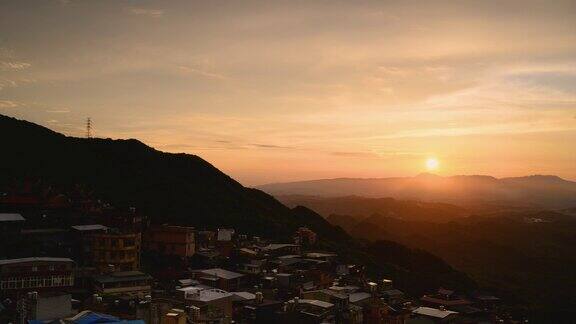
88 127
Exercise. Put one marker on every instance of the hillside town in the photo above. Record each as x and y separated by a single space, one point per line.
69 258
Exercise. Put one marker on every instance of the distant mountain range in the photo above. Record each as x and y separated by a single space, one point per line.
541 191
362 207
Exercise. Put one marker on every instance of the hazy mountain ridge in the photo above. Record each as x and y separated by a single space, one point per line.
362 207
544 191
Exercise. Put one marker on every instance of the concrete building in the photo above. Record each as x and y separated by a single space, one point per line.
117 251
82 235
423 315
213 305
45 307
220 278
171 240
35 274
10 222
128 283
175 316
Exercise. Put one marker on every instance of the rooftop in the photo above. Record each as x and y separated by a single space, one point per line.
318 255
207 295
359 296
433 312
122 277
275 246
392 292
221 273
445 302
94 227
225 234
6 217
315 302
244 295
34 259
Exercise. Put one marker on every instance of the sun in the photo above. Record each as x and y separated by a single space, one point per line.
432 164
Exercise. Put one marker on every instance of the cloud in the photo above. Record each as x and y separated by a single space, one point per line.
270 146
7 66
58 111
10 83
353 154
202 71
153 13
8 104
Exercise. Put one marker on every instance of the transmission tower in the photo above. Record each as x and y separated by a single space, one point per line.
88 127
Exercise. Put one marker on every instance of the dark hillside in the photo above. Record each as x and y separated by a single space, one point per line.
182 189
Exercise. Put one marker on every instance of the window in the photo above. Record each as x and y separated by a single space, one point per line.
51 268
34 268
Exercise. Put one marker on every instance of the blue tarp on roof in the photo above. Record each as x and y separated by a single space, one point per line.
96 318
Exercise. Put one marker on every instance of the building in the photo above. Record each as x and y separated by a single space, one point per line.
260 310
10 222
128 283
276 249
10 230
307 311
444 298
305 237
393 296
432 315
35 274
224 241
220 278
82 235
45 307
171 240
175 316
212 305
116 251
90 317
205 239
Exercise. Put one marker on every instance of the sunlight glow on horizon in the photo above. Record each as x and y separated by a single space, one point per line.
432 164
273 91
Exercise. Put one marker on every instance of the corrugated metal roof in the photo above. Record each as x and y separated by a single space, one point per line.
433 312
10 217
356 297
90 317
32 259
207 295
244 295
122 277
221 273
94 227
315 302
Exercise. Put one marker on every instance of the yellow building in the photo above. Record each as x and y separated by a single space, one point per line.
175 316
115 251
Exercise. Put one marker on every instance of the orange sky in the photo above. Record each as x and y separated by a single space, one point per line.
288 90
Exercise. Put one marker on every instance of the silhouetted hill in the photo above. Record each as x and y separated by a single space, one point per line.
174 187
533 191
362 207
523 256
181 189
